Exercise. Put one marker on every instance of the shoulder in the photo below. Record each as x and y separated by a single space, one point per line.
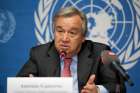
95 47
43 48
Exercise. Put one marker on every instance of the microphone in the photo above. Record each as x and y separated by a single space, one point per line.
109 57
62 54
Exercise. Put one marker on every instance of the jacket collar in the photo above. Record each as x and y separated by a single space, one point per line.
53 61
86 58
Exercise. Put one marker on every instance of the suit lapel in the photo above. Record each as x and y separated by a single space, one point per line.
53 62
84 66
86 59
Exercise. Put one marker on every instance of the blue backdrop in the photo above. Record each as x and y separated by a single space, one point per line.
26 23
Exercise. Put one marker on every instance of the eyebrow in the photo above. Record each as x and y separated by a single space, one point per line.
58 27
73 28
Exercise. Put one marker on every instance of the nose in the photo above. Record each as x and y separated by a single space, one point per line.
65 37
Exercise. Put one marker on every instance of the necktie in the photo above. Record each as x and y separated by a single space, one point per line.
66 70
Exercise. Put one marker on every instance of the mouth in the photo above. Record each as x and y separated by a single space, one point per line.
64 46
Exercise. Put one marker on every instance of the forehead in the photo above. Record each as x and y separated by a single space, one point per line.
68 21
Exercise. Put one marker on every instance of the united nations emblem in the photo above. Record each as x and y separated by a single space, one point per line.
7 25
113 22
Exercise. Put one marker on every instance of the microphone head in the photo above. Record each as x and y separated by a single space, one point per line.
62 54
108 57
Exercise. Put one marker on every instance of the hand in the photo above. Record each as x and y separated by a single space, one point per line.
90 86
31 75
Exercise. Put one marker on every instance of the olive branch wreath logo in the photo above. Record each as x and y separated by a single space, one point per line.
134 44
41 21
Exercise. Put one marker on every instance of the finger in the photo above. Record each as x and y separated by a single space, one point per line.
89 87
85 91
91 79
31 75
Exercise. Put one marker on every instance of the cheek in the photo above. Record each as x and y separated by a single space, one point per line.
75 44
55 40
56 37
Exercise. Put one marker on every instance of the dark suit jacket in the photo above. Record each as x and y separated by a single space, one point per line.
44 61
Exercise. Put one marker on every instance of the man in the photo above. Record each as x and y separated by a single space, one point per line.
89 73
